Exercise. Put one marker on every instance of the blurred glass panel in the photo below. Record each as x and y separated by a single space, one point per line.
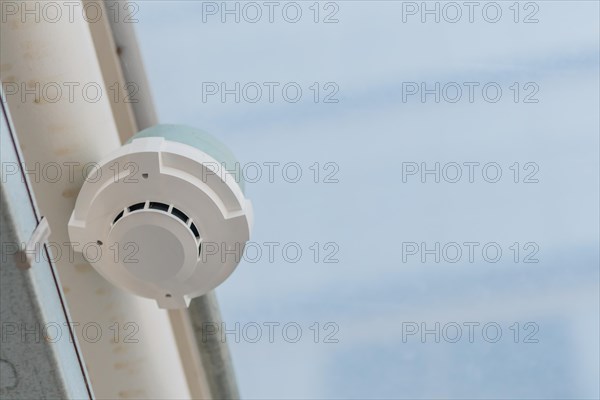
414 168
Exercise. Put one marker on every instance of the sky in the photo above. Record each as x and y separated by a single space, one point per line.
365 217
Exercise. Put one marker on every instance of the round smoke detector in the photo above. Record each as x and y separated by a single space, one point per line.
164 216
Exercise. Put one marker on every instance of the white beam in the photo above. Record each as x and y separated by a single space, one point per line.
81 132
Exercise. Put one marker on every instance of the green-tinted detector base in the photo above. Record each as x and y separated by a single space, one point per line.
196 138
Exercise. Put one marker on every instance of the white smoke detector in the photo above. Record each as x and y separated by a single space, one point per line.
164 217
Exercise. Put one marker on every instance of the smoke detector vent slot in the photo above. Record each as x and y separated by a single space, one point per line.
195 230
180 214
159 206
155 205
135 207
118 217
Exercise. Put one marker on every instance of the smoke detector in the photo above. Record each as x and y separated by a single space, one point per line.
165 216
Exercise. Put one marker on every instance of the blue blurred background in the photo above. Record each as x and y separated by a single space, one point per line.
371 297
